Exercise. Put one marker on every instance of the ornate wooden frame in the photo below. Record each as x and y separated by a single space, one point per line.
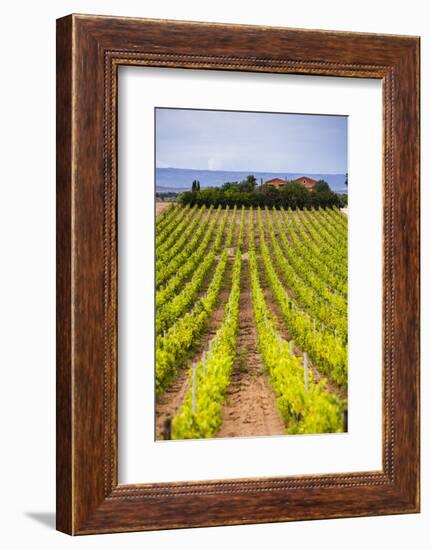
89 51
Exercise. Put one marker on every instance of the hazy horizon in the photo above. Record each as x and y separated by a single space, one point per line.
238 141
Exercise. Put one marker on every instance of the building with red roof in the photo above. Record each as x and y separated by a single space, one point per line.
307 182
276 182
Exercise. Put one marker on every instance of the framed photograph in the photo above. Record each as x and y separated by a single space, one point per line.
237 274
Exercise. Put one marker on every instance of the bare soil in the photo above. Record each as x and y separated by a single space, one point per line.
161 207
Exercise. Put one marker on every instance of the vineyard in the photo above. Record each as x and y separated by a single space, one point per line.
251 322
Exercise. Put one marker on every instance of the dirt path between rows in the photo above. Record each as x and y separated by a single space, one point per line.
250 408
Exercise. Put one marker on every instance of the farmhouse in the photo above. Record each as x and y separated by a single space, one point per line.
276 182
307 182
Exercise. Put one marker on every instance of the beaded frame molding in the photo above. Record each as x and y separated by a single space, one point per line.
89 51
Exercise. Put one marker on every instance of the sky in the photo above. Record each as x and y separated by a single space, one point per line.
261 142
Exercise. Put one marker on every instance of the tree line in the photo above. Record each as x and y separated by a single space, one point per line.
248 193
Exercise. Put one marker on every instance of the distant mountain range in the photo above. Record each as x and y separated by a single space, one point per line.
180 179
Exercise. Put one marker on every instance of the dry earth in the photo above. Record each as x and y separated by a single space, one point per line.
161 207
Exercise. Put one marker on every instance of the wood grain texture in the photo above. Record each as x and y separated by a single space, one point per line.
64 497
90 49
